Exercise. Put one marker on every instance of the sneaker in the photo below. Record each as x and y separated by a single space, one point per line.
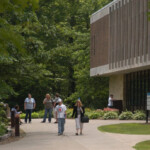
42 121
55 122
76 133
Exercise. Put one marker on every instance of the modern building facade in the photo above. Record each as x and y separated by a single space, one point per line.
120 49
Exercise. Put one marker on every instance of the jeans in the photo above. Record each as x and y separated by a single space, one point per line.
28 112
50 114
61 122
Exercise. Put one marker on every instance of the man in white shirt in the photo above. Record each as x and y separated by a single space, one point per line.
110 101
60 116
29 105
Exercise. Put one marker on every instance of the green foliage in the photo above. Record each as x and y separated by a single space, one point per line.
127 115
3 120
69 113
110 115
44 48
35 115
3 129
139 115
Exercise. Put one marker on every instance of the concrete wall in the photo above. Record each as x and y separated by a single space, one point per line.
116 86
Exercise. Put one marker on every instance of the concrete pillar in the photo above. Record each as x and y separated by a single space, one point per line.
116 86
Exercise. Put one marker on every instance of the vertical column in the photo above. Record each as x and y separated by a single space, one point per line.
137 30
149 33
141 31
112 36
123 33
129 31
119 31
145 40
110 40
115 34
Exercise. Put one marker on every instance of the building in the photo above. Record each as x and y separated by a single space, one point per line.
120 49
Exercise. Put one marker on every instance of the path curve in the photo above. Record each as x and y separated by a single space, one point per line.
44 137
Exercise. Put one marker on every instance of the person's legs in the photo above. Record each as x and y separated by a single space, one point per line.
77 125
81 127
59 126
45 115
50 114
62 125
30 113
27 113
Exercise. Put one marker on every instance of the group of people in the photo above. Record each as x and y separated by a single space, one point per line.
59 111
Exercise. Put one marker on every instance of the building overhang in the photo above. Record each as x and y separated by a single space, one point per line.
106 71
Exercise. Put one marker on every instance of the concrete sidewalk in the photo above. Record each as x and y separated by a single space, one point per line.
41 136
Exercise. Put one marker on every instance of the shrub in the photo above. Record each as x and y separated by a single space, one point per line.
139 115
22 116
41 113
110 115
3 129
94 115
35 115
69 112
126 115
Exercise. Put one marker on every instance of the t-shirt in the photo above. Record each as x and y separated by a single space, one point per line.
15 111
29 103
56 99
48 104
110 102
60 111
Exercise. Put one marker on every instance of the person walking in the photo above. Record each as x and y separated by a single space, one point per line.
48 104
29 105
110 101
57 97
60 116
78 113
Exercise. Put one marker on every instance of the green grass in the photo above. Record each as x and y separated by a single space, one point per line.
142 145
127 128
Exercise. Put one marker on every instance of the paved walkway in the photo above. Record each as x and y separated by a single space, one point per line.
44 137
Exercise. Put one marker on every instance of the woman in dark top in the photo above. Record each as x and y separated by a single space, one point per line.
78 112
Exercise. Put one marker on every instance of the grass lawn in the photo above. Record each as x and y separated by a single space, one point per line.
127 128
142 145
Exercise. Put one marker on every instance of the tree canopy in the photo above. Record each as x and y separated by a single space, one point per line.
45 48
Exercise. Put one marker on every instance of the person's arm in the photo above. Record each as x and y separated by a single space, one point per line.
65 115
73 112
44 101
34 105
24 105
83 110
56 116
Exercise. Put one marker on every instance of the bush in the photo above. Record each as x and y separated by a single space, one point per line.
127 115
110 115
22 116
41 113
69 112
139 115
35 115
94 115
3 129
